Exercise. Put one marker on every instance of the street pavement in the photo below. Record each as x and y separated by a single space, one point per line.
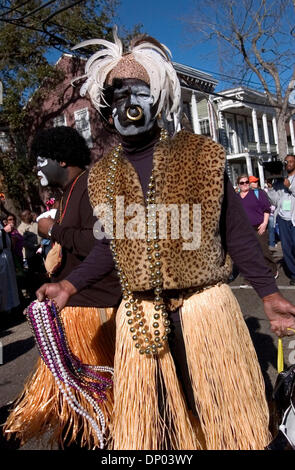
18 352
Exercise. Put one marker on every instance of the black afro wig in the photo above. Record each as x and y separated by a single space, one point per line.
63 144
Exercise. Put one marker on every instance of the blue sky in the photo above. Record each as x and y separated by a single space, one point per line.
163 20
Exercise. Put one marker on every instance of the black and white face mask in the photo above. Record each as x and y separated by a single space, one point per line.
49 171
132 108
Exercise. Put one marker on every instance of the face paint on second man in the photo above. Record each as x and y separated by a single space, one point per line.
41 162
49 171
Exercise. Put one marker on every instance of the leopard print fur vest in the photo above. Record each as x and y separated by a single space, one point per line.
189 176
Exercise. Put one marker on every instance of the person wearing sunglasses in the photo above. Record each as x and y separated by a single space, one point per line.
257 208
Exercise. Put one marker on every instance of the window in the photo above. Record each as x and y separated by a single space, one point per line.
205 127
261 133
83 125
230 126
241 135
270 133
251 137
59 121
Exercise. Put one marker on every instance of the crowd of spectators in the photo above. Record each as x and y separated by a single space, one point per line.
271 211
22 255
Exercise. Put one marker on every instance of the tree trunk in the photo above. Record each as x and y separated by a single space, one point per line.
282 136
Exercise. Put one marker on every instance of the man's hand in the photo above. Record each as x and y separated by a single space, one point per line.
261 229
8 228
287 183
281 314
60 292
44 225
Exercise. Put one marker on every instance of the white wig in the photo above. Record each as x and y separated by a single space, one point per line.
147 59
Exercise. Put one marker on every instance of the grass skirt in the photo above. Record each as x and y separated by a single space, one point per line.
227 383
91 337
149 411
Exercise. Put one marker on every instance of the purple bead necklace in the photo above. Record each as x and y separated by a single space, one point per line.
68 371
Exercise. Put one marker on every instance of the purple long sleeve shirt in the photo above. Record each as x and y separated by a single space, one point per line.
255 206
237 235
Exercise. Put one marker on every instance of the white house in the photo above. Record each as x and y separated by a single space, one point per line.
242 120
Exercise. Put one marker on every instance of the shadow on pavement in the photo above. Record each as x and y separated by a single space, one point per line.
265 350
18 348
266 353
12 318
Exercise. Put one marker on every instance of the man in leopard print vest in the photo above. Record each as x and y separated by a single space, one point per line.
186 373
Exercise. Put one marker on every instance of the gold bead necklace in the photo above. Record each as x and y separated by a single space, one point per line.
145 341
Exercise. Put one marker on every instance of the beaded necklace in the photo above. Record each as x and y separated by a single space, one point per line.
68 371
61 210
145 341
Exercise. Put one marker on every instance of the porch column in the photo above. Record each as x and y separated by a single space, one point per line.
212 120
291 125
265 130
256 133
249 165
261 175
223 141
275 132
195 116
177 125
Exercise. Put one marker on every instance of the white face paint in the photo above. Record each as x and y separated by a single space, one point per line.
42 162
43 179
49 171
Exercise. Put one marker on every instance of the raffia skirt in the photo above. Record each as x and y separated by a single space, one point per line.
226 379
148 410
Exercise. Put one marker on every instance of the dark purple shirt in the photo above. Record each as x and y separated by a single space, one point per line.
75 235
255 206
237 236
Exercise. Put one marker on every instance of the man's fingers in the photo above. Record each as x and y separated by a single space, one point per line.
41 293
282 329
40 296
291 309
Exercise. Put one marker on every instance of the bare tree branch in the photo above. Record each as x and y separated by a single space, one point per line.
258 34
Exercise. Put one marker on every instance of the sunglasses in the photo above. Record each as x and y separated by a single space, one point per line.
243 182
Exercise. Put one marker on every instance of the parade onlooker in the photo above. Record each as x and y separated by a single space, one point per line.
29 230
272 237
257 208
33 262
282 195
4 221
3 209
17 240
9 298
52 204
254 182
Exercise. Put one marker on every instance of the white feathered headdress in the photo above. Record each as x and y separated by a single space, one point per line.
147 59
